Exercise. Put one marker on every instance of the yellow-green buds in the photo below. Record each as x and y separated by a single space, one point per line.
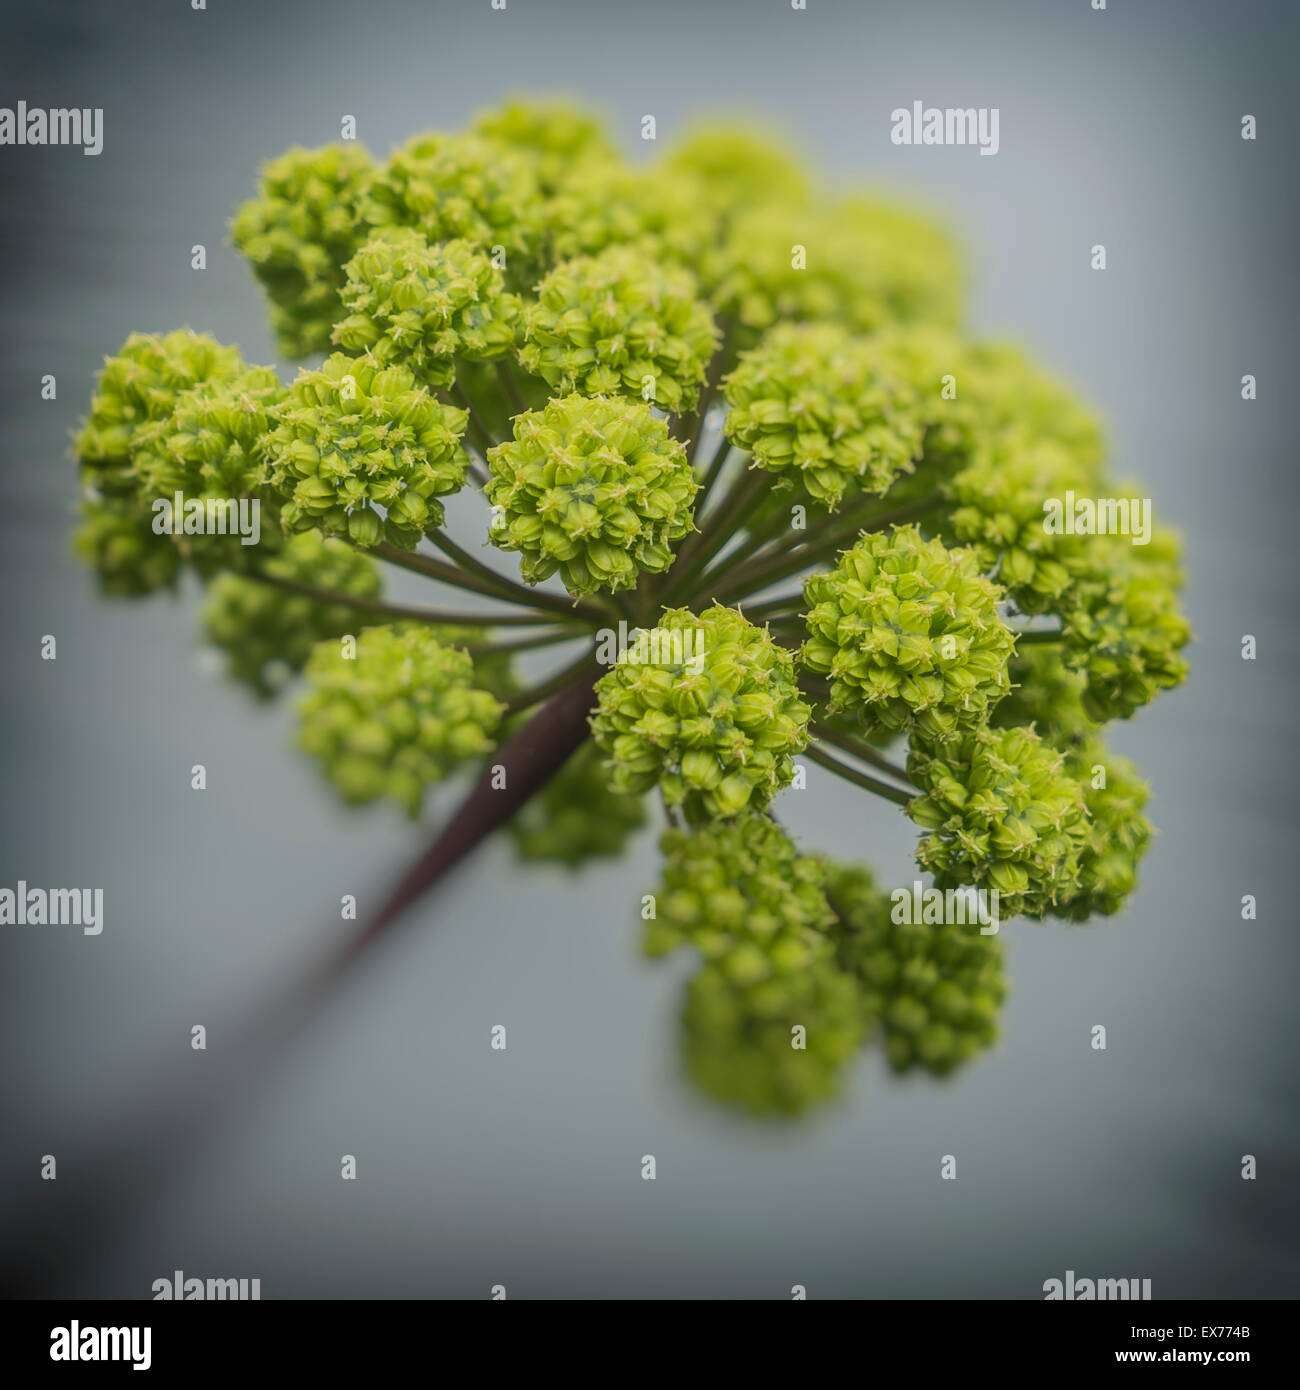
777 1047
594 489
1002 813
1118 831
210 444
1046 694
399 715
116 539
422 306
740 893
715 721
998 512
620 323
605 204
138 386
576 817
1123 628
908 632
354 436
298 232
266 632
814 407
555 136
859 263
738 167
461 187
935 987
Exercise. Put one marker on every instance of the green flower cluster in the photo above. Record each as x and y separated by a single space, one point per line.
117 541
908 632
998 512
936 988
716 724
1002 813
353 436
815 406
861 264
298 233
210 444
592 488
1123 628
981 397
665 213
1117 602
582 311
1046 694
461 187
1118 831
139 386
266 632
576 817
401 714
178 412
739 1039
615 323
740 893
423 306
738 167
556 137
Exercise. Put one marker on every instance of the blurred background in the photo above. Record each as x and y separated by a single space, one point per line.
522 1168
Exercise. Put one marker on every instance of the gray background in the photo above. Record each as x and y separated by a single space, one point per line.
522 1168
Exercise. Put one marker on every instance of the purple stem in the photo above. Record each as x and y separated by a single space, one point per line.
65 1228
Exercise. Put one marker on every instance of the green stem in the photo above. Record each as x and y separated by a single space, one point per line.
485 435
775 607
511 385
857 748
714 471
860 779
561 680
1039 636
712 376
746 494
502 588
758 576
543 639
398 611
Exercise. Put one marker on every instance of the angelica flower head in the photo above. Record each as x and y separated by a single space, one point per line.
593 488
354 436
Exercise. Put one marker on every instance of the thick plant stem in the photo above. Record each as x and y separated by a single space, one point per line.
530 759
178 1119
